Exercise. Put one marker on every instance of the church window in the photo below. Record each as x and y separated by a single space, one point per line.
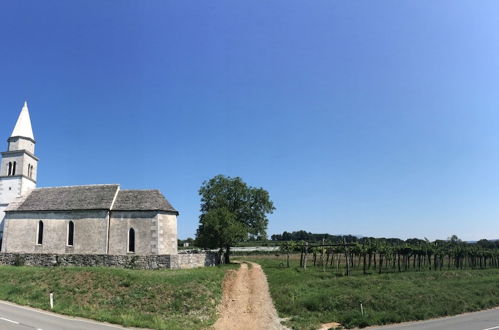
14 169
39 239
131 240
71 232
10 168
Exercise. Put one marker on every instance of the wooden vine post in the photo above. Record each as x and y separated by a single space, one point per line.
322 256
288 248
305 257
301 256
346 257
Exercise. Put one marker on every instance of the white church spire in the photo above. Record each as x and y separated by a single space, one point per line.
23 124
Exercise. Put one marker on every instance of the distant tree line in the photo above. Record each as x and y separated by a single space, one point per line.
302 235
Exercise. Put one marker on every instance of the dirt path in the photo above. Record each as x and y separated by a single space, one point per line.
246 302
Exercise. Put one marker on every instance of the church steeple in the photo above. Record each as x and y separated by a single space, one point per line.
19 161
22 137
23 124
19 166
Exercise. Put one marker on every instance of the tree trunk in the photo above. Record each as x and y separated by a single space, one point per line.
227 255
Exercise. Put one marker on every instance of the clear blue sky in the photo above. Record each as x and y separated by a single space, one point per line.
378 118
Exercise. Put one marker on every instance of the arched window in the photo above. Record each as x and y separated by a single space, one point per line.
10 168
131 240
39 239
71 233
14 169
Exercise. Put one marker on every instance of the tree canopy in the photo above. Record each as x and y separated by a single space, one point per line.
230 212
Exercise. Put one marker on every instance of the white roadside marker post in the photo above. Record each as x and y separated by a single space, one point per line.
51 300
361 309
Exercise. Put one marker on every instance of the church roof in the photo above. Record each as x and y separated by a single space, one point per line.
92 197
23 124
141 200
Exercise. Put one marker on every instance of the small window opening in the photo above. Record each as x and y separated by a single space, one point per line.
71 231
10 168
39 239
131 240
14 169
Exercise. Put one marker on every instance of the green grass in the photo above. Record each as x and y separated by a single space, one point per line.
166 299
311 297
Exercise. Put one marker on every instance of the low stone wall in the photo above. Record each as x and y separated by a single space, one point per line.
168 261
193 260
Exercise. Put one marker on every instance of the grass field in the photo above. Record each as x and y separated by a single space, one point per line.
311 297
168 299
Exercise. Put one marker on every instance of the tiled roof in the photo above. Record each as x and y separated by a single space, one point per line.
142 200
92 197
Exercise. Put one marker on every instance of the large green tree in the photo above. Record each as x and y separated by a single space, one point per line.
231 211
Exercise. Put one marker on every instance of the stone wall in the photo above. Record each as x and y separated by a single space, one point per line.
155 232
90 232
169 261
193 260
167 233
144 225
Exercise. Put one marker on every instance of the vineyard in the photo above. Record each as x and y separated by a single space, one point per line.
384 255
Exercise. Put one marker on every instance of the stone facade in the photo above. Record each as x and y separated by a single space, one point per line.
98 218
175 261
90 232
156 233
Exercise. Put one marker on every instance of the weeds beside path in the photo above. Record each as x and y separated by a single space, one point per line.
246 302
157 299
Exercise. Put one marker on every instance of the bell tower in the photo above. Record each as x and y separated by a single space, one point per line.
19 165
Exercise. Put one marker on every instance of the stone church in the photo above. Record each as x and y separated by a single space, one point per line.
93 219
